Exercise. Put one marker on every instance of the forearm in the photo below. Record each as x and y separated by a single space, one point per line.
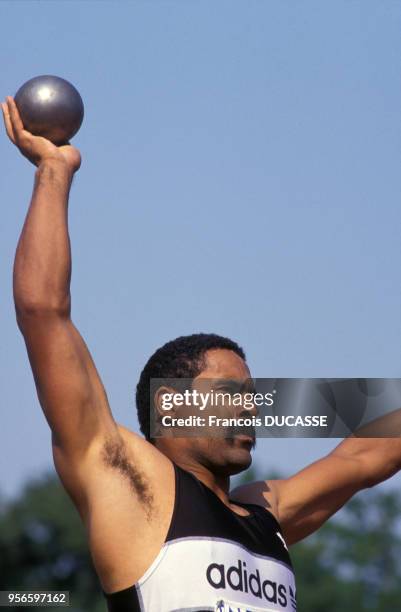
42 267
378 458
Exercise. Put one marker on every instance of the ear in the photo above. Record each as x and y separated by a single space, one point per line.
163 402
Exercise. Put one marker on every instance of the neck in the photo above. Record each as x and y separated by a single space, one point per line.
219 484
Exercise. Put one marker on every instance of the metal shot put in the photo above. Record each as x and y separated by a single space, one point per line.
51 107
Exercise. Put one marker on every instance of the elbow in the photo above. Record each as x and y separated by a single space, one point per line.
30 311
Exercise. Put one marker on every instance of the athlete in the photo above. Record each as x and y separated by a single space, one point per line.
164 531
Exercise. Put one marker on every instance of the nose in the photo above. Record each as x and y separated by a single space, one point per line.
248 408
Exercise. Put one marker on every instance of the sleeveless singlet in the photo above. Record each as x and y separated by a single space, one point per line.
213 560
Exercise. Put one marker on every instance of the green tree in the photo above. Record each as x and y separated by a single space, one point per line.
354 561
352 564
43 546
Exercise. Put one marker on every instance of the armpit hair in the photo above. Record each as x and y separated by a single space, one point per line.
114 455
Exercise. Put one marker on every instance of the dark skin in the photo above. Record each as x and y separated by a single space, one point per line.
109 470
213 459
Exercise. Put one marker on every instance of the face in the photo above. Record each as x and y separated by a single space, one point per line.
230 452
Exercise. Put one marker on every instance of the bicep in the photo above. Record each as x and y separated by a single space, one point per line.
69 388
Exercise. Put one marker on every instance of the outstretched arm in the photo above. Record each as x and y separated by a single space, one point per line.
69 388
303 502
309 498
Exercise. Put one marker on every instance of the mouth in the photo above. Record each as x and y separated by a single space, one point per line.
246 440
244 436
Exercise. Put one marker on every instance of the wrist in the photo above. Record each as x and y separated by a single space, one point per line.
53 162
53 167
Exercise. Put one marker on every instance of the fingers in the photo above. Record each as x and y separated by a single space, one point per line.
17 125
7 121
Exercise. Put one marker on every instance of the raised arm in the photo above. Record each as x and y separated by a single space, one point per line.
69 388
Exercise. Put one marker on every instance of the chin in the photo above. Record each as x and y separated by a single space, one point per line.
239 466
237 457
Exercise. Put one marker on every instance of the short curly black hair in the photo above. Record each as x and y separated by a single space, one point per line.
183 357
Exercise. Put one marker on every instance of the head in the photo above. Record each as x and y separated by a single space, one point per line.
198 357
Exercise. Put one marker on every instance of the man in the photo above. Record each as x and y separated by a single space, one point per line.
163 530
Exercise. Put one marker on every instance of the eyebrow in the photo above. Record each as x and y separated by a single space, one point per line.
247 385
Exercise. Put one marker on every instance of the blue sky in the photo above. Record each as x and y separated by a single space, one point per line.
240 175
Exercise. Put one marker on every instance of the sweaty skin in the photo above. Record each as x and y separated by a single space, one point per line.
109 470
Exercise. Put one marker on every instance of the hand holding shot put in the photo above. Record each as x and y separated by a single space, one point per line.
37 148
164 530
